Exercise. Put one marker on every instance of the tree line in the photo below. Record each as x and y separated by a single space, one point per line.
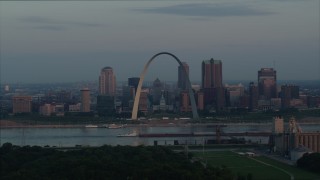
310 161
105 162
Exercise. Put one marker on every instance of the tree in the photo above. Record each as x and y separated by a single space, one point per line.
106 162
310 162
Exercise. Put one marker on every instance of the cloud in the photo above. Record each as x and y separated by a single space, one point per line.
54 24
207 10
51 28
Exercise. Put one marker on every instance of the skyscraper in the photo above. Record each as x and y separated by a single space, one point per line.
288 92
156 91
143 102
105 105
211 73
107 82
254 96
185 102
219 98
212 81
182 78
267 82
200 100
85 100
133 81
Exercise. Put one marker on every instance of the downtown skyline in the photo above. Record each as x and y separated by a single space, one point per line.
71 41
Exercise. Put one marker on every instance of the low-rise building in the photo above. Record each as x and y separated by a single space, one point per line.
21 104
75 107
46 109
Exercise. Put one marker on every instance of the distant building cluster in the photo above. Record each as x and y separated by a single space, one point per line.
107 98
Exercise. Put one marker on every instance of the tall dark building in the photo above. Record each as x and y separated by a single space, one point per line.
288 92
254 96
133 81
295 91
63 97
105 105
126 95
184 102
211 78
208 96
220 98
267 82
182 78
156 91
211 73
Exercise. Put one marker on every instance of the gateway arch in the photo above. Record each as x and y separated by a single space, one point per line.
137 97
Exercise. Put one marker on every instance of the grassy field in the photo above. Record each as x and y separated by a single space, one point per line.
244 166
297 172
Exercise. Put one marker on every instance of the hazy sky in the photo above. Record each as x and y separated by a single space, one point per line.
69 41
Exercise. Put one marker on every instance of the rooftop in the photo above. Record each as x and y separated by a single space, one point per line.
107 67
212 61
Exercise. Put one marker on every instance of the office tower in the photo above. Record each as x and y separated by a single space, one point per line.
267 83
156 91
105 105
285 96
21 104
143 102
133 81
184 102
219 98
211 78
126 95
295 91
208 94
288 92
254 96
85 100
234 94
200 101
183 78
244 101
107 82
211 73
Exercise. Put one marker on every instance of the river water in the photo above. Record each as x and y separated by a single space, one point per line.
69 137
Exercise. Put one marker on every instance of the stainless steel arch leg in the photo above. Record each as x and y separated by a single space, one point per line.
137 97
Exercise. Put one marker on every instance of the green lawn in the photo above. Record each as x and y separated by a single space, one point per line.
298 173
244 165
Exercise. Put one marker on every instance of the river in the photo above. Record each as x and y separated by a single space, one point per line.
69 137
